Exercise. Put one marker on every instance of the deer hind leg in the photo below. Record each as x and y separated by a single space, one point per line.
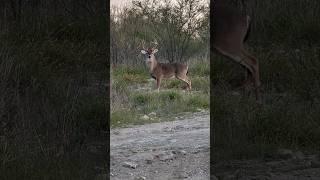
249 62
255 73
189 83
186 80
247 78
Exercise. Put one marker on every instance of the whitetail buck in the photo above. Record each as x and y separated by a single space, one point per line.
230 30
160 71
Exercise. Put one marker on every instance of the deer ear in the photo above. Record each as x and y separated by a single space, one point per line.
143 51
154 51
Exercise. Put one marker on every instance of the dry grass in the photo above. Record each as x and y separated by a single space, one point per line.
129 104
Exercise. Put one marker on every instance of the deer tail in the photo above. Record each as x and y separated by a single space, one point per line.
187 70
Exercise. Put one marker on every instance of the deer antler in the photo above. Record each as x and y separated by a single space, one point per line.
155 42
143 44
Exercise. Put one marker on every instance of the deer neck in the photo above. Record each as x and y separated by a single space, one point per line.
152 64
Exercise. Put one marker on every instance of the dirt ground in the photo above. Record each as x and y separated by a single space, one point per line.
295 167
168 150
180 150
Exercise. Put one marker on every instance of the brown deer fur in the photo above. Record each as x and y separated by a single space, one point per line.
161 71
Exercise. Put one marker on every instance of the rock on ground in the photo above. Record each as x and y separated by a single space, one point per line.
162 150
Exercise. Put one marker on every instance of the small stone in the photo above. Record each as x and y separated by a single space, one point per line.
145 117
196 151
178 127
133 151
130 165
234 93
181 175
299 155
285 153
166 157
140 178
183 152
152 114
149 161
173 140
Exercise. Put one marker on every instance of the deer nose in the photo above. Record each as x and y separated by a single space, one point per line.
149 56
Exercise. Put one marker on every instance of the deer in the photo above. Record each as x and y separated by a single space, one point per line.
230 31
159 71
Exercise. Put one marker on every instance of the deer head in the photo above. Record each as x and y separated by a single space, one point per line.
149 53
150 58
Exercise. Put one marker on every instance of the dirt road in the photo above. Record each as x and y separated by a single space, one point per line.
295 166
168 150
180 150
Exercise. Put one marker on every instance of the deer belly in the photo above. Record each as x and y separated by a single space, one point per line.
169 76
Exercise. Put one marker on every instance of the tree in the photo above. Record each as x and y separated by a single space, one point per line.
174 25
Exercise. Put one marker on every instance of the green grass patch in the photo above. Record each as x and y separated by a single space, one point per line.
132 78
289 115
172 84
198 101
131 75
129 103
169 96
41 167
201 68
121 118
285 122
165 104
201 84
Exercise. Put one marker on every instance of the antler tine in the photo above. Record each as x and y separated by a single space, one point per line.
143 44
155 42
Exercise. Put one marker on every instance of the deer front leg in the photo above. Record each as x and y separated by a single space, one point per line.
158 83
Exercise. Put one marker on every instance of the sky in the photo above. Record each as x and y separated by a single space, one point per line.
119 3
